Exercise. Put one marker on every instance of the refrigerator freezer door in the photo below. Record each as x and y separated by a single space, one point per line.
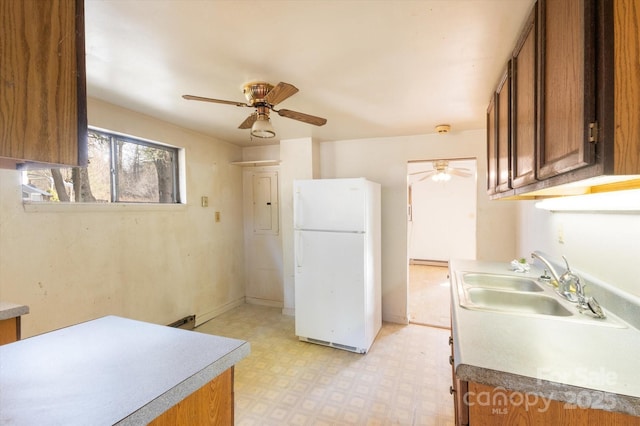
330 288
330 205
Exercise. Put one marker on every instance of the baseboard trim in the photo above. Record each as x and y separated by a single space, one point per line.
264 302
426 324
396 319
207 316
427 262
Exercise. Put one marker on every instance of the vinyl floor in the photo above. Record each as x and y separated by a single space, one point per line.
403 380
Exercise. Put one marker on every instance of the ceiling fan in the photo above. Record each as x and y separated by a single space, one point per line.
263 96
442 172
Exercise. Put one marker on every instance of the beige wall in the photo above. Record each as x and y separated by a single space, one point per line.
384 160
74 263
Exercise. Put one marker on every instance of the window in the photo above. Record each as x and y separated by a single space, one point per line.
121 169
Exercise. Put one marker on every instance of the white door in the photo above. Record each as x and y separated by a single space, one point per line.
329 287
263 245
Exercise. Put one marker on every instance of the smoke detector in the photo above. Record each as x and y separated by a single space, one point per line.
443 129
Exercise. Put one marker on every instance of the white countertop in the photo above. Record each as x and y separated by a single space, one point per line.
553 356
108 371
12 310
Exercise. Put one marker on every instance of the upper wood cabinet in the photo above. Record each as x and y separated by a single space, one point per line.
43 115
524 96
503 131
567 92
575 99
620 114
499 137
492 153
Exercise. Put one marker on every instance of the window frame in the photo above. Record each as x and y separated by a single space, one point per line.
177 174
113 178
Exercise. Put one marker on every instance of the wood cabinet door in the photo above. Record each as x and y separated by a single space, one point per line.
567 92
9 330
503 131
43 97
492 154
212 404
498 406
523 93
459 389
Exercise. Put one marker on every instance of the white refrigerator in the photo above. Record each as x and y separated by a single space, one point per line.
337 262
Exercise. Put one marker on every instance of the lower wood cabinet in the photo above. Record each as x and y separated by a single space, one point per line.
9 330
488 405
212 404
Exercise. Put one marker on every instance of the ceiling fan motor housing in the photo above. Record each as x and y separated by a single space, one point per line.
256 92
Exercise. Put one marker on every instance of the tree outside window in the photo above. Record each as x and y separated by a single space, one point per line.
120 169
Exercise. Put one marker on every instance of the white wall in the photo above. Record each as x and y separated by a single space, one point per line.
298 162
603 245
153 264
443 214
384 160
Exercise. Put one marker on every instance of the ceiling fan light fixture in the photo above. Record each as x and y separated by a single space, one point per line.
262 127
441 176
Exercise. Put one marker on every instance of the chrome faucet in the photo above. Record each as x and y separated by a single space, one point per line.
564 281
567 280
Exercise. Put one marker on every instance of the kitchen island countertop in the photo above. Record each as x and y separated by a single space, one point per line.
12 310
108 371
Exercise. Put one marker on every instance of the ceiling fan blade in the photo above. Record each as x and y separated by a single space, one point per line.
306 118
279 93
460 172
248 122
419 173
426 176
215 101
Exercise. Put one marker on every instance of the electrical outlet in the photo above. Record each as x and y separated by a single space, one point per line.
204 201
560 234
217 216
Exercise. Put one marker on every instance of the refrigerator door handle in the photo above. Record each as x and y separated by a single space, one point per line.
297 217
298 250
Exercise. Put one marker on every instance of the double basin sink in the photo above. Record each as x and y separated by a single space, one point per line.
520 296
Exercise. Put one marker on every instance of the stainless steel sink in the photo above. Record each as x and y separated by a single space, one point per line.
519 295
511 301
501 282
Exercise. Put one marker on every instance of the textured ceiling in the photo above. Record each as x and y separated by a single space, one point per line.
372 68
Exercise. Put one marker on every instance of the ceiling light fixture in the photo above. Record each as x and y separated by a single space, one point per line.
262 127
441 168
441 176
443 129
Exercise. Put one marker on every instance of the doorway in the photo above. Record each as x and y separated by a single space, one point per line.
441 198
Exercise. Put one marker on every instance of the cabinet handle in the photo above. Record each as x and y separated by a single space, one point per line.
451 390
451 359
